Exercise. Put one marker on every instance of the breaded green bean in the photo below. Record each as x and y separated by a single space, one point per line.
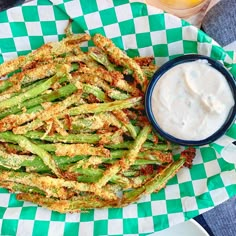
33 148
102 107
53 187
121 59
49 50
37 90
127 160
155 184
48 113
76 204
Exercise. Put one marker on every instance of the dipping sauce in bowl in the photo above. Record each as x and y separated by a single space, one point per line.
191 100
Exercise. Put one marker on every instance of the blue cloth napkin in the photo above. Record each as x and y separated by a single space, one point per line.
5 4
222 219
220 22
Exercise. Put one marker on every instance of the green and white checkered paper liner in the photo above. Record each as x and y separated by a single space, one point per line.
139 30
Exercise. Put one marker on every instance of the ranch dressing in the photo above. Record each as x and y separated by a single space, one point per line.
191 101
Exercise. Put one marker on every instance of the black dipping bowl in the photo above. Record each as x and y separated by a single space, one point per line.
174 62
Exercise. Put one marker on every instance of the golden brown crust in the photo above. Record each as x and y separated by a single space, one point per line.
144 61
80 149
189 155
119 58
13 121
46 51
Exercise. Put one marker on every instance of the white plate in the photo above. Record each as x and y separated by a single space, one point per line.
186 228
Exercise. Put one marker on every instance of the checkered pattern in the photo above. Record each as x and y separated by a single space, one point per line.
139 30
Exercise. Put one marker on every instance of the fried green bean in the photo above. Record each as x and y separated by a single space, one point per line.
54 187
47 114
78 204
127 160
48 97
37 90
102 107
47 51
121 59
33 148
155 184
